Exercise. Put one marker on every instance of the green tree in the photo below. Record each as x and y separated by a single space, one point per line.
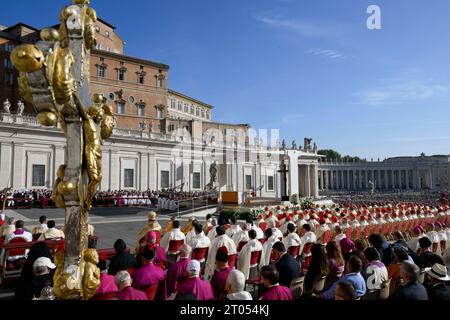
330 154
351 159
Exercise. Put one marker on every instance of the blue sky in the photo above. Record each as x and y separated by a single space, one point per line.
308 68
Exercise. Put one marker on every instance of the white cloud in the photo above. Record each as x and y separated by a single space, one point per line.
403 90
305 28
331 54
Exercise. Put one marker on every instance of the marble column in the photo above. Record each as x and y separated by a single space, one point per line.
314 181
430 175
331 180
386 180
360 179
308 180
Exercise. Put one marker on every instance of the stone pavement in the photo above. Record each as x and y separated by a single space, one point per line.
110 223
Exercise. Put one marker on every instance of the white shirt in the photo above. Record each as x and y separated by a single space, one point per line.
245 256
240 236
242 295
267 251
199 241
174 234
300 223
212 233
190 235
259 232
26 235
277 233
283 228
308 237
433 236
292 240
442 235
235 228
220 241
321 230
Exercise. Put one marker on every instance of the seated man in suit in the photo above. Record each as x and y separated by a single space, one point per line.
287 266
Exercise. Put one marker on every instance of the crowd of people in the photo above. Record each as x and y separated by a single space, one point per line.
355 252
166 199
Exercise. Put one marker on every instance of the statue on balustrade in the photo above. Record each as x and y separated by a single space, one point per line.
308 144
7 106
20 108
294 145
143 125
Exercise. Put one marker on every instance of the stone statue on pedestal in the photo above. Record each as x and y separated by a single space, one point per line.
143 125
7 106
294 145
20 108
308 142
372 187
212 175
283 144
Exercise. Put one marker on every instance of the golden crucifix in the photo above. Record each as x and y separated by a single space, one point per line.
54 77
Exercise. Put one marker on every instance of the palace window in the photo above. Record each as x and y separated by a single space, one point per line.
180 106
107 34
112 96
208 116
186 108
38 178
8 63
141 78
160 81
141 110
128 178
101 71
248 181
9 47
9 79
131 99
203 113
192 109
171 127
165 179
196 180
197 112
121 108
97 28
270 184
172 103
160 113
121 74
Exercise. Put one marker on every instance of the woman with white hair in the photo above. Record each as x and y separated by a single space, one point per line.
235 286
